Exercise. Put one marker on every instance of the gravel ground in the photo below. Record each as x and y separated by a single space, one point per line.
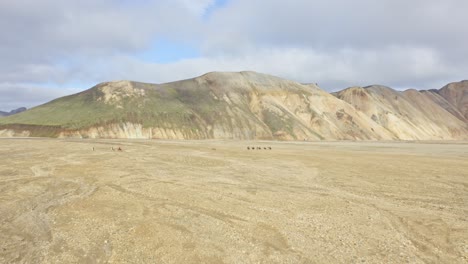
218 202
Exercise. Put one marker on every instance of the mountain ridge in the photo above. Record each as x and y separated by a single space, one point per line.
246 105
12 112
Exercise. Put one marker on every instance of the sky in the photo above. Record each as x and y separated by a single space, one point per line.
52 48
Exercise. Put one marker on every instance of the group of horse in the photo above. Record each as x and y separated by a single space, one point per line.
113 149
248 148
258 148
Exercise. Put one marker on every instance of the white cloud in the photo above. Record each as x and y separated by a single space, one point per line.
337 43
15 95
394 66
197 7
331 24
53 30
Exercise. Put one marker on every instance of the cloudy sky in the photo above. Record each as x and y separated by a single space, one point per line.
51 48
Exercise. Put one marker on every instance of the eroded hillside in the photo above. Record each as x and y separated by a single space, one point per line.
243 105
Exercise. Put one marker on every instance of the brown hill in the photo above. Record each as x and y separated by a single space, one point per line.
457 95
407 115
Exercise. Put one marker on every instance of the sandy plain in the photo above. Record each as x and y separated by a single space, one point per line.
217 202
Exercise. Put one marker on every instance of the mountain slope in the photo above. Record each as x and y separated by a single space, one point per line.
407 115
242 105
442 102
457 95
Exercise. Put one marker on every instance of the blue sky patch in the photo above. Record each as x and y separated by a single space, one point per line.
166 51
212 8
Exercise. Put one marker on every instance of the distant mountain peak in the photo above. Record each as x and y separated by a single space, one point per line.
12 112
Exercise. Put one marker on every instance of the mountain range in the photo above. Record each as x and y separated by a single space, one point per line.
12 112
247 106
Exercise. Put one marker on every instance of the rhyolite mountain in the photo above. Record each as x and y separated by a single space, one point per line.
247 105
12 112
408 115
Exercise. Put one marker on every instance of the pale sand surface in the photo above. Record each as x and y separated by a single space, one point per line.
217 202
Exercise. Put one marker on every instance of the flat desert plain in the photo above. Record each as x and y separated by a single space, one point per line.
217 202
